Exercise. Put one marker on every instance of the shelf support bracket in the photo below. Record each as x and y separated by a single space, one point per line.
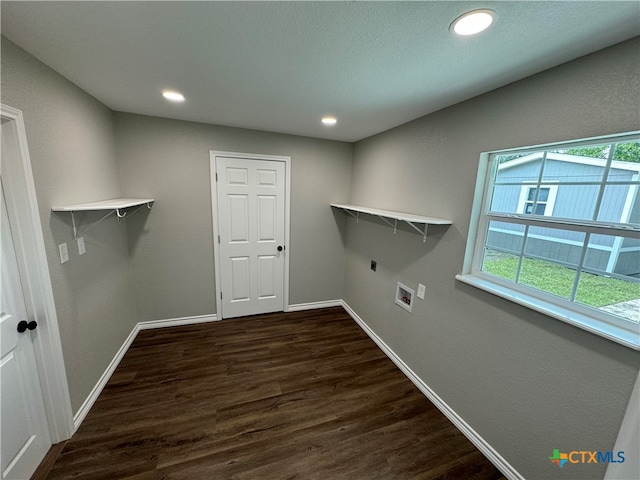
129 213
77 231
354 215
423 232
75 228
391 224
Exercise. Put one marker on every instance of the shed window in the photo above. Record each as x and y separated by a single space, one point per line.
536 200
557 228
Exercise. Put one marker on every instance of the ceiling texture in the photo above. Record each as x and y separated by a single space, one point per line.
281 66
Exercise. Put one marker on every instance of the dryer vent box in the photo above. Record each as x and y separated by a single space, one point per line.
404 297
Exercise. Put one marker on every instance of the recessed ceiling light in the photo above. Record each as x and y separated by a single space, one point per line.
173 96
329 121
473 22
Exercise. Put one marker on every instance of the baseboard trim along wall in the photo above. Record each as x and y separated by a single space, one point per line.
298 307
480 443
176 322
82 412
102 382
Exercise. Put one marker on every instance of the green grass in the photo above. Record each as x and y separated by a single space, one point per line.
594 290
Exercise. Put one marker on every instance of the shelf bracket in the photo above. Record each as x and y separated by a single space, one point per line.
77 231
354 215
423 232
73 223
121 213
128 213
394 225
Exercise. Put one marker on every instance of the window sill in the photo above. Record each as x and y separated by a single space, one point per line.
611 332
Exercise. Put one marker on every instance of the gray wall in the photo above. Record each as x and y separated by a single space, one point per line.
172 246
72 148
525 382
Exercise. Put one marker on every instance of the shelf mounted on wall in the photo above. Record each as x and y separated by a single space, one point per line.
391 218
118 206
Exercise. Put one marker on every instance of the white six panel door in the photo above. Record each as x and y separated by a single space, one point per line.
24 430
251 213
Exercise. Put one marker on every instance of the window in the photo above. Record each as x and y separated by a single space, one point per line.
539 200
557 229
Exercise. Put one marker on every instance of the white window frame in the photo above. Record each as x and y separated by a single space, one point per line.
612 327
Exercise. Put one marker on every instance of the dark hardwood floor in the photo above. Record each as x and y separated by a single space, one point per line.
303 395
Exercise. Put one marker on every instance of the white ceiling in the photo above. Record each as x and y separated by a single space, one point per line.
280 66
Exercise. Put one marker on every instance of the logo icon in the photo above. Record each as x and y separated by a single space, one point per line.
584 456
559 458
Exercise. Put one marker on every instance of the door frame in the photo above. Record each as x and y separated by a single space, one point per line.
22 206
213 155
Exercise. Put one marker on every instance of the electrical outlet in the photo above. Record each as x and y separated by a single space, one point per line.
81 248
421 289
64 253
374 265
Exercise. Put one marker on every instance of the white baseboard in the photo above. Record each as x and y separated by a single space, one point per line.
313 305
177 322
102 382
481 444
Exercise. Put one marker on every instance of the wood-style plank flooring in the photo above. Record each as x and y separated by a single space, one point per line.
304 395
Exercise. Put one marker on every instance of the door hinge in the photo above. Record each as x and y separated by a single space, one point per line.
216 176
220 295
218 238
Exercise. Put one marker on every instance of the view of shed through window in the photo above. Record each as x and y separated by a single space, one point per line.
566 222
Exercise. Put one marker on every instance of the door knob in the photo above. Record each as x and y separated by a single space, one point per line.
280 248
23 325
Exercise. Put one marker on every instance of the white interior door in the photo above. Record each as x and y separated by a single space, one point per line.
25 435
251 230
